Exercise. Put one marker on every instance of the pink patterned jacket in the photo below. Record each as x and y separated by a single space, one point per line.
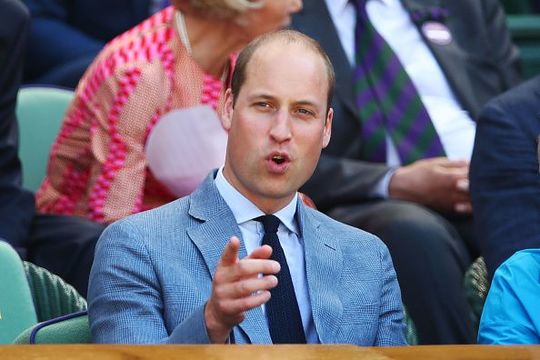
97 167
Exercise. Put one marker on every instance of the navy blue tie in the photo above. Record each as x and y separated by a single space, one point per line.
282 310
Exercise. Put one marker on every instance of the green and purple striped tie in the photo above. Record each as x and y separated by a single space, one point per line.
387 100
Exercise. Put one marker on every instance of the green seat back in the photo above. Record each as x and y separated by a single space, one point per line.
476 285
53 297
40 111
55 302
75 329
16 306
525 30
68 329
518 6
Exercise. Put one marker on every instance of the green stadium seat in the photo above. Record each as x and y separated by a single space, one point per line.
67 329
17 310
525 30
40 111
30 294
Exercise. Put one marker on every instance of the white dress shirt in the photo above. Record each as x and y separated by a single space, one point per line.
291 241
454 125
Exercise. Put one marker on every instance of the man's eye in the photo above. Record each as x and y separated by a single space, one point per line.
263 105
306 112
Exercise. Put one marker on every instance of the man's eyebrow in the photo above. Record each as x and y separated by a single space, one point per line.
265 96
261 96
306 103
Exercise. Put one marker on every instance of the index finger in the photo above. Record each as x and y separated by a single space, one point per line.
230 252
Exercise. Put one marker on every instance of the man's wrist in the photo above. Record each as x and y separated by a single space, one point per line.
217 333
382 188
398 185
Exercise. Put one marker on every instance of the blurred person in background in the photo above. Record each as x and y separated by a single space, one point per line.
505 178
180 58
65 36
412 77
62 244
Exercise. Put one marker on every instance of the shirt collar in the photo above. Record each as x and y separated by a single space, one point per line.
336 6
244 210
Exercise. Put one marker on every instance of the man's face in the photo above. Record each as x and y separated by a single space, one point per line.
279 124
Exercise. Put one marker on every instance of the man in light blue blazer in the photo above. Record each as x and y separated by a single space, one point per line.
200 269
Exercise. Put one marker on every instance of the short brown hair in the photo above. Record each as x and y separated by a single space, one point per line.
288 36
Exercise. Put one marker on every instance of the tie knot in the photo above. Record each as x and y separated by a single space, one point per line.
270 223
360 6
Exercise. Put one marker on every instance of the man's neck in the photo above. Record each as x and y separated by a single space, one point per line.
265 204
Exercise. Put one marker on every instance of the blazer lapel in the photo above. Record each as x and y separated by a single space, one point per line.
315 21
217 224
324 263
451 58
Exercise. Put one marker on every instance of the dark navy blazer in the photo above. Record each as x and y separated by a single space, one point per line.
504 174
16 204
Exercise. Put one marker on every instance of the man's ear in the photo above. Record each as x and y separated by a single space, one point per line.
328 127
226 116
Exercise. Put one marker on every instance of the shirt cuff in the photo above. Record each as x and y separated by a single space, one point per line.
380 189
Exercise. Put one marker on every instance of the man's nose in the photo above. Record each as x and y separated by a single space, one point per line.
281 126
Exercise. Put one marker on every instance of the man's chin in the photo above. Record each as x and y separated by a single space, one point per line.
278 192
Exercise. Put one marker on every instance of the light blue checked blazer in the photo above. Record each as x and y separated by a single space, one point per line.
152 276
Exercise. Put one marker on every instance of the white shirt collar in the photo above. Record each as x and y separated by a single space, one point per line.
336 5
244 210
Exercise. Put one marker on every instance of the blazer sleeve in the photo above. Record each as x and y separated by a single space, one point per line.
391 331
340 181
124 295
16 204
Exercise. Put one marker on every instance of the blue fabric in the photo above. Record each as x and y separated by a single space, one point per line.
152 276
72 32
512 309
16 204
